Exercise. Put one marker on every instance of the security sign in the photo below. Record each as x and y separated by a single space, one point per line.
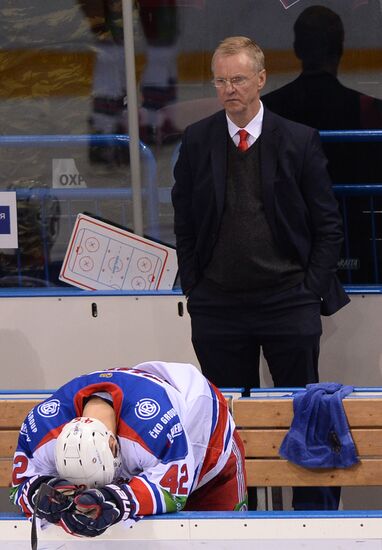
8 220
65 174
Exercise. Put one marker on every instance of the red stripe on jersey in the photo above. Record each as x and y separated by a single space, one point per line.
146 375
216 443
227 489
143 496
126 431
53 434
25 507
114 390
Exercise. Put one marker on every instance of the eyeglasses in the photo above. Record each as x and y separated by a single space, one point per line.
235 81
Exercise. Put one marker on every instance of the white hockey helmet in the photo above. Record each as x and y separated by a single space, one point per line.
83 454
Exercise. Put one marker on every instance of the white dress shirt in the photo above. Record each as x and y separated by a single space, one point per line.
253 128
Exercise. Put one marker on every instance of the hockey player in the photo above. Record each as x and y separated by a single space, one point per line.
126 443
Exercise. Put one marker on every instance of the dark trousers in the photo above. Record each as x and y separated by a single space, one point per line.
228 331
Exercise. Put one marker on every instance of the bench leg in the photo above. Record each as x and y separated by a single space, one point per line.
277 498
265 498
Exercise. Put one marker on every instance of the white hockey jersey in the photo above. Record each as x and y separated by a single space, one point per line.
174 429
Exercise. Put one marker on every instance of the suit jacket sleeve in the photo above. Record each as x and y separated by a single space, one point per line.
183 220
324 218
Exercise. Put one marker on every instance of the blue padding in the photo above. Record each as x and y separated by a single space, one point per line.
64 292
326 135
12 517
363 289
277 390
334 514
316 514
368 389
231 390
53 139
57 292
26 392
344 136
357 189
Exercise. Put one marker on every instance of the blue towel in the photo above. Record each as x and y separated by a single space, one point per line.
319 436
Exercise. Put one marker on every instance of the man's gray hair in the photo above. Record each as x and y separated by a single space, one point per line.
237 44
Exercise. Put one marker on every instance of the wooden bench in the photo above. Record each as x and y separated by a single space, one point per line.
263 422
13 410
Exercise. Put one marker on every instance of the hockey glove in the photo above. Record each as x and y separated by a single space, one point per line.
51 505
95 510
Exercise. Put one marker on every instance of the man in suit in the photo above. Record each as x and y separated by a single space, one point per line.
258 237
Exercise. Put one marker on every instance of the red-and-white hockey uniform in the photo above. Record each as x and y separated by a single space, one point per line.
175 431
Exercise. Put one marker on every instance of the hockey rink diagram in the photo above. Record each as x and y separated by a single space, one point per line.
104 257
214 531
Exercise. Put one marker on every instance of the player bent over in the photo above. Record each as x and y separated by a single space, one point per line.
125 443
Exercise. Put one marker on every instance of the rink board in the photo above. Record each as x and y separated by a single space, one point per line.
212 531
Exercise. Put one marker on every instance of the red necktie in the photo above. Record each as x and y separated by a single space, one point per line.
243 143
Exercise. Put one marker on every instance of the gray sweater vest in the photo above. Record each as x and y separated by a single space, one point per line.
246 255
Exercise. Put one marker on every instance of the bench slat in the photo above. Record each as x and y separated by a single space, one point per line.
5 473
278 413
13 411
266 442
280 473
8 442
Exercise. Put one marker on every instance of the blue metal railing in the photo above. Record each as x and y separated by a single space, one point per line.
346 136
345 191
149 190
154 196
69 195
43 194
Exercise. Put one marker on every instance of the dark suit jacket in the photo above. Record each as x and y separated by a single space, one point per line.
298 200
321 101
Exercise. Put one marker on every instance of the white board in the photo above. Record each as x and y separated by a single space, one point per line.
101 256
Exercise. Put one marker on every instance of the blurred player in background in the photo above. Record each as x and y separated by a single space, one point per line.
159 80
159 23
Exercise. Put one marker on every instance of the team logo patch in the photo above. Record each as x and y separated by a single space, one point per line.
146 408
50 408
106 375
24 431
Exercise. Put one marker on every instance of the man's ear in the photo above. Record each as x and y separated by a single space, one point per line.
262 79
